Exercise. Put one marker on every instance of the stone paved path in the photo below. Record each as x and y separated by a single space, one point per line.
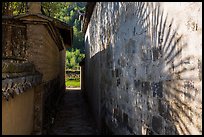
74 117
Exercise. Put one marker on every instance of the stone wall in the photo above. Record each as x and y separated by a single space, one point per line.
62 70
144 67
51 99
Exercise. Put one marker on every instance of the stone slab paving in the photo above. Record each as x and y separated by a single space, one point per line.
74 117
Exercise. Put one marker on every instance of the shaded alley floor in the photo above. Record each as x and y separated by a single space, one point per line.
74 117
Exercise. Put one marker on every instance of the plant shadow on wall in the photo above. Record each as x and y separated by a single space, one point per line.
166 69
163 99
174 90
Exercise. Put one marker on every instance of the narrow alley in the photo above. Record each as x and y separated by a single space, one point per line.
101 68
74 116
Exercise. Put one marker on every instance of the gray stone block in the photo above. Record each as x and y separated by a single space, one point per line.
157 124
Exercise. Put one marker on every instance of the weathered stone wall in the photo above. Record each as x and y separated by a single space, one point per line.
82 78
62 69
144 66
51 99
73 74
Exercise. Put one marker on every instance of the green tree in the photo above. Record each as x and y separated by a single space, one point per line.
69 13
55 9
14 8
73 58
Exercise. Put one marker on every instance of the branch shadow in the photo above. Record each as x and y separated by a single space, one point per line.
166 49
143 83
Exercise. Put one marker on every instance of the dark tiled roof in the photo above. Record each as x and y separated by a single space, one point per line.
17 78
89 10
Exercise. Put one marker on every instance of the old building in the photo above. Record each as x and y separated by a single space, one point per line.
142 73
33 70
143 66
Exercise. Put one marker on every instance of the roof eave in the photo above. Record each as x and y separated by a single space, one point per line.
61 26
89 10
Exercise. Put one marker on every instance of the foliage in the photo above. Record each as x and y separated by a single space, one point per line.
13 8
68 12
56 9
78 40
73 58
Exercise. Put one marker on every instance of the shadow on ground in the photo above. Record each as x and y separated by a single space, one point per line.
73 116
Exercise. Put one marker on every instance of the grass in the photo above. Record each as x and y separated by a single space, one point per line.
72 82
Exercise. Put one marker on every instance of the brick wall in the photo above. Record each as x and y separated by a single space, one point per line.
50 61
43 51
143 67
